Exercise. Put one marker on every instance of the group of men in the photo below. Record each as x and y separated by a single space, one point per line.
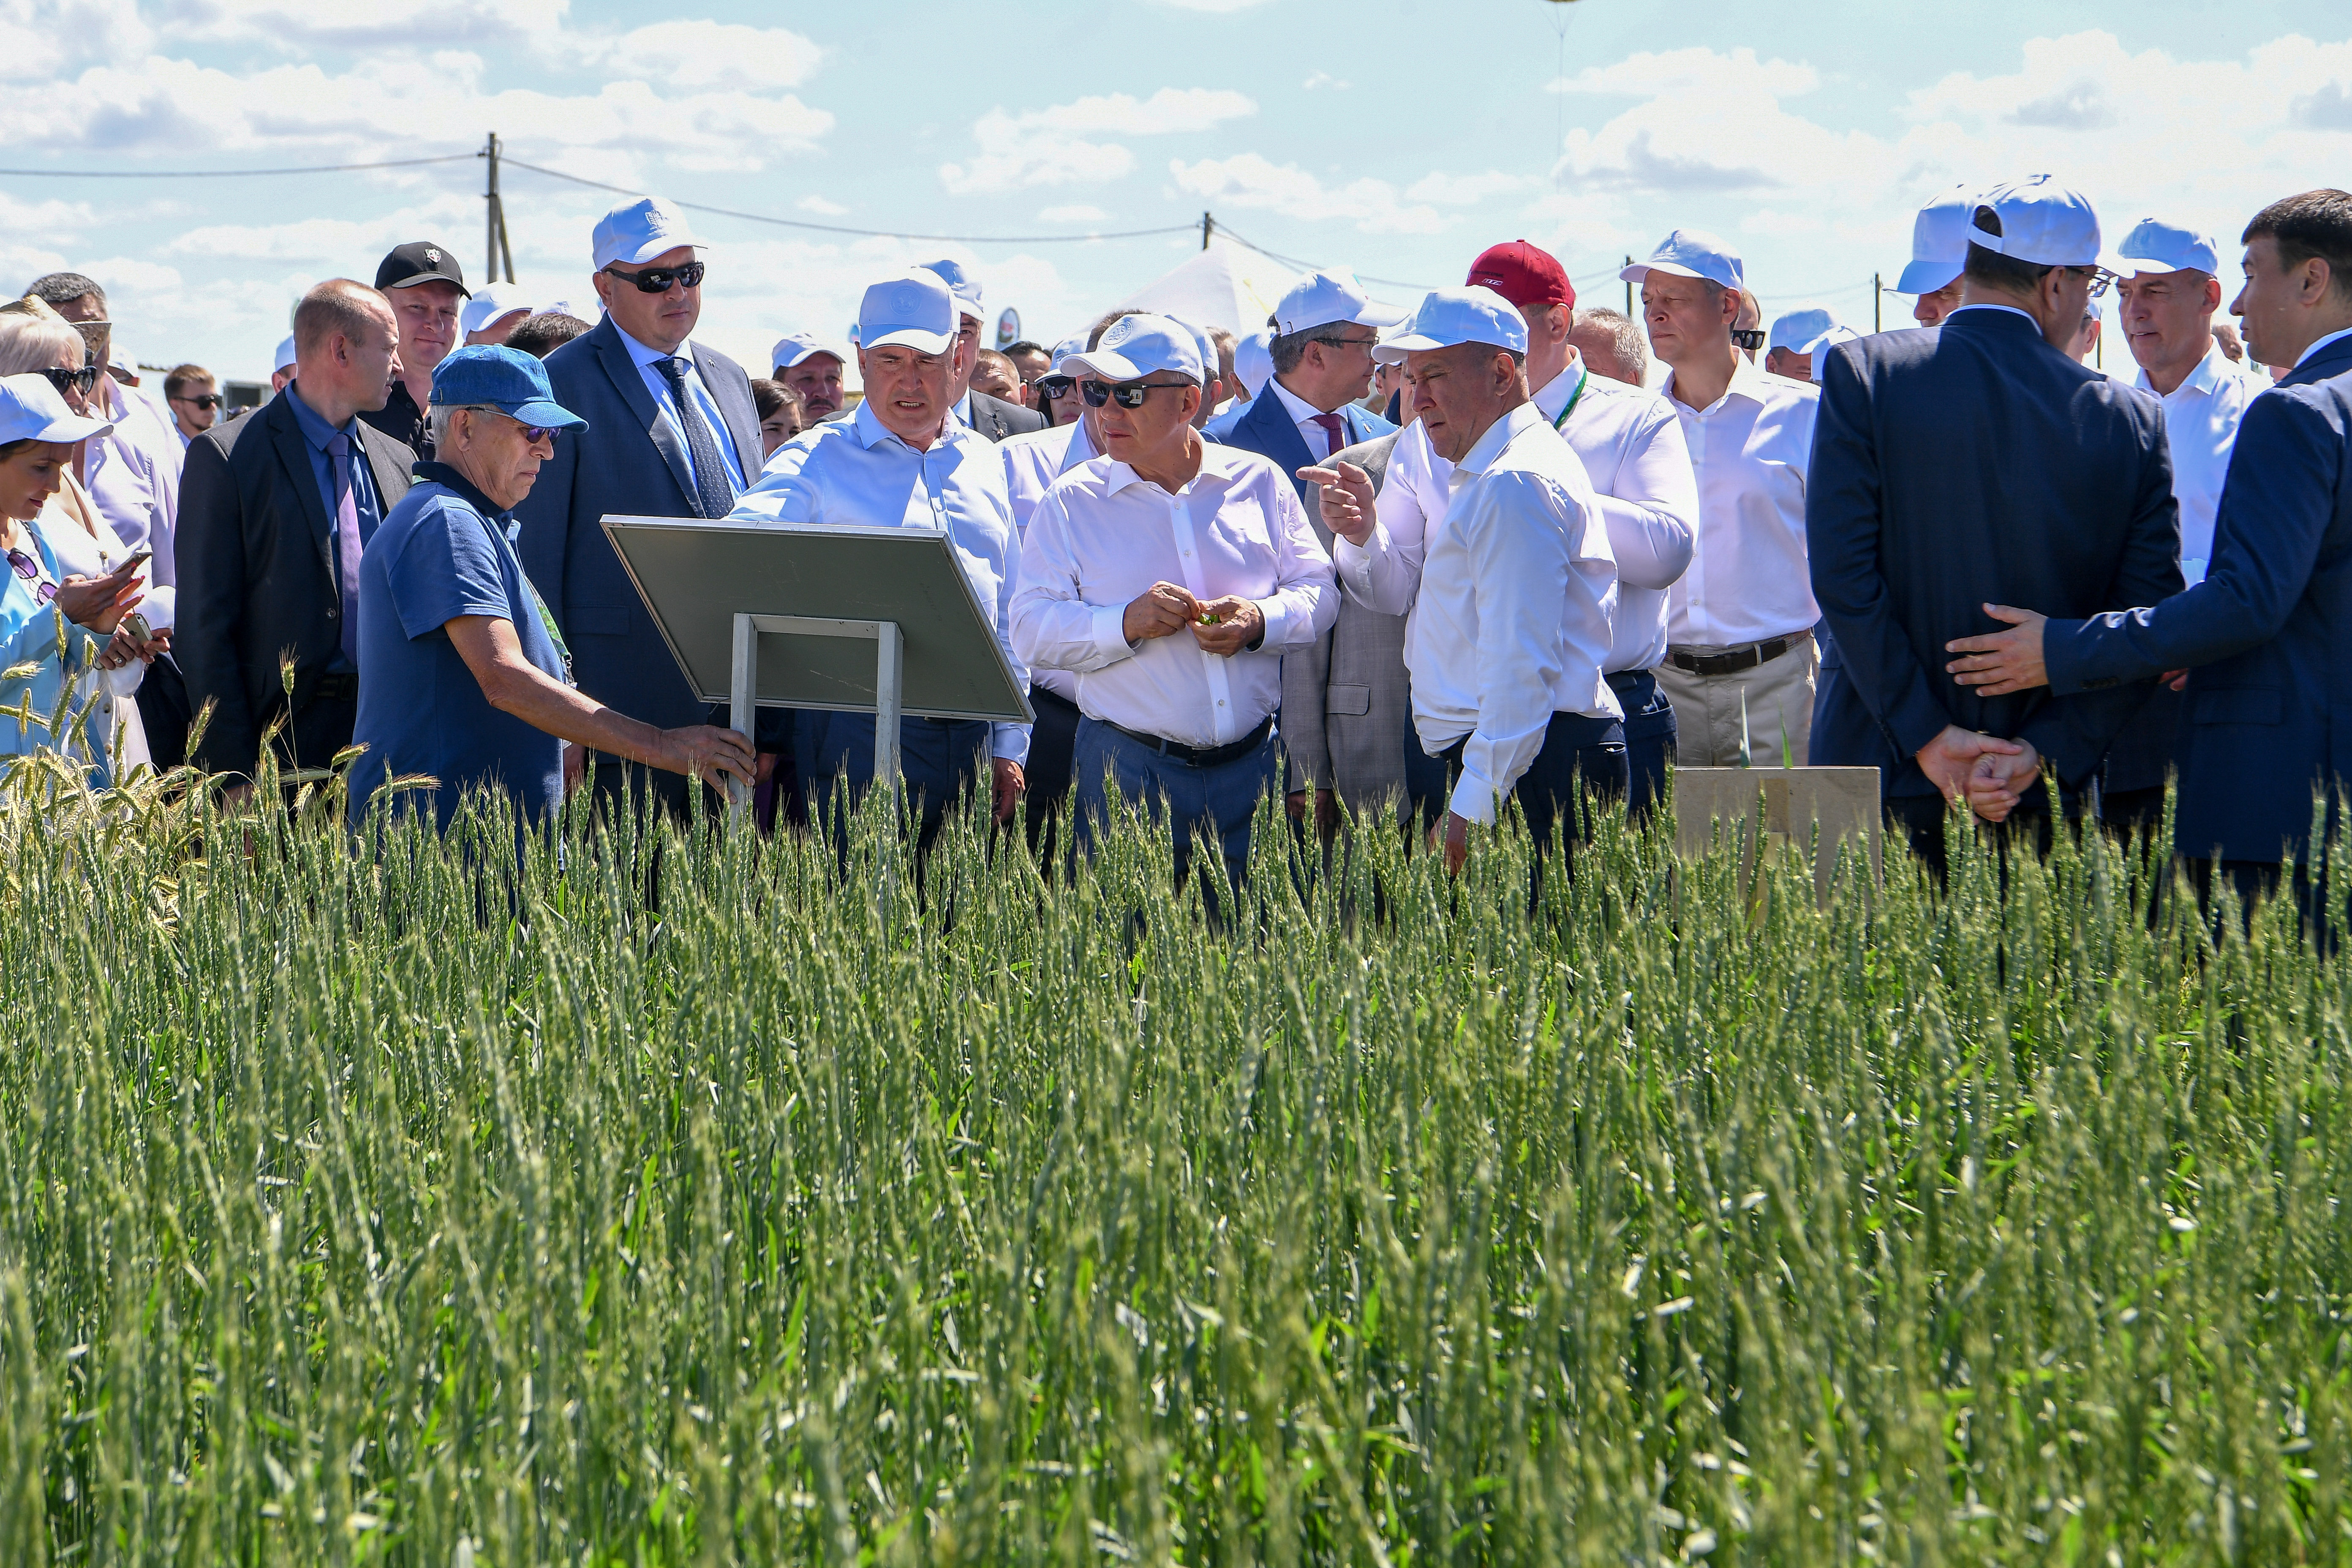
1544 581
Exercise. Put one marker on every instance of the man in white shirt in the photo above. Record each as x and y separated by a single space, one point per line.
1740 656
1632 450
1170 575
1323 332
1939 248
903 460
2168 279
1509 600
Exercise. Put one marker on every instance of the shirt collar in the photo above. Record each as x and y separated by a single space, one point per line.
1214 460
313 424
2321 343
1297 407
872 432
1553 395
450 480
641 355
2204 379
1982 305
963 410
1483 452
1748 381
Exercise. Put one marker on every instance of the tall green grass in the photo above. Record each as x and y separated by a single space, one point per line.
426 1208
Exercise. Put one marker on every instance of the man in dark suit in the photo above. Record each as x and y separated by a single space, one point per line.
1324 331
1971 463
992 416
677 436
2269 717
274 512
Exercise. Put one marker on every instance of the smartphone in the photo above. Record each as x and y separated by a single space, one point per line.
138 558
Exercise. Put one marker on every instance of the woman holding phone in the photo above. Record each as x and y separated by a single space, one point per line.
49 617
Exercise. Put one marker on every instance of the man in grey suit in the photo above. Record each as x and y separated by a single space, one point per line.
992 416
274 512
677 436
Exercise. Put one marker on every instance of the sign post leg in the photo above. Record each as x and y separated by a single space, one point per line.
889 678
742 690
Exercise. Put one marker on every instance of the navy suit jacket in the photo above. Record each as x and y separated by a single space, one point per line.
1262 426
629 463
1968 464
2267 637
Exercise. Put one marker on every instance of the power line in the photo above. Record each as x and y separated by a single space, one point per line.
860 233
227 174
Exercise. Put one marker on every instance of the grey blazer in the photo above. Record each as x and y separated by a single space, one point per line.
1346 702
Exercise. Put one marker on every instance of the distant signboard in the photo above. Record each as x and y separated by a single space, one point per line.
1008 328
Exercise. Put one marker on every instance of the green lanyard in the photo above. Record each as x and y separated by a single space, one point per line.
546 616
1583 376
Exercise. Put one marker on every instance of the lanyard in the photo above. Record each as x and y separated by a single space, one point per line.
1583 376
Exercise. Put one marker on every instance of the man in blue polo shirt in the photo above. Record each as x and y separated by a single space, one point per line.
469 679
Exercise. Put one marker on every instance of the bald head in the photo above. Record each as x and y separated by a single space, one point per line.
346 350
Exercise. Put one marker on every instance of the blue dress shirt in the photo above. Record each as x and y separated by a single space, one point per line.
316 434
648 361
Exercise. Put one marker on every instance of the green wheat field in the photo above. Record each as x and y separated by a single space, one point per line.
418 1207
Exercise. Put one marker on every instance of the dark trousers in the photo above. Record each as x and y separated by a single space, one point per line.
1579 754
1052 741
2130 811
1649 738
322 729
939 759
1220 800
1920 818
163 713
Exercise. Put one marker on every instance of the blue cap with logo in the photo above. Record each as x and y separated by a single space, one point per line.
961 284
491 376
635 231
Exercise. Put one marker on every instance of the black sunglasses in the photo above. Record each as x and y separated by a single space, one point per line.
657 279
1127 394
1055 386
30 571
209 400
80 381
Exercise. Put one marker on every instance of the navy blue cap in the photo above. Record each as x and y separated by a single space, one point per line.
491 376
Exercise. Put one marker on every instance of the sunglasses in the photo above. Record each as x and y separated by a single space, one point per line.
657 279
534 434
1128 393
29 569
1055 386
209 400
80 381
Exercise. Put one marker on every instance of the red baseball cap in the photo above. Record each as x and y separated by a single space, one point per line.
1523 274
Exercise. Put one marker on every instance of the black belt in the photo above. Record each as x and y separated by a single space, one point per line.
1198 756
1732 663
1047 697
336 688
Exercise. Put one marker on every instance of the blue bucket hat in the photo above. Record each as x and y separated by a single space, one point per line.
490 376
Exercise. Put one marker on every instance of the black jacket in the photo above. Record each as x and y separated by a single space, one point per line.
258 578
995 418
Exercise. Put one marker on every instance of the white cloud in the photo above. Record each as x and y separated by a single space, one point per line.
1468 190
302 24
1248 180
820 206
1325 79
1077 213
1050 146
1699 68
698 55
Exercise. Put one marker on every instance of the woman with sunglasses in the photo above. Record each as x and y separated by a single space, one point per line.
50 619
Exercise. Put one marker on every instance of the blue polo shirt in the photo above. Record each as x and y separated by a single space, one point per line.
443 553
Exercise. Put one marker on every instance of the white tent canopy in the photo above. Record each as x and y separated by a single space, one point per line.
1224 285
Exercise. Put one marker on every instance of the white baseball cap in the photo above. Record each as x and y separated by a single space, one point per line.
1213 363
1134 346
1939 242
794 347
962 285
1798 331
916 309
1691 253
31 409
284 360
589 311
1449 317
1064 352
1254 362
2039 221
2155 246
640 230
488 304
1329 300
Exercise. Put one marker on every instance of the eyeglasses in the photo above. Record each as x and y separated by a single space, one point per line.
657 279
534 434
29 569
2101 279
209 400
1055 386
80 381
1364 343
1127 394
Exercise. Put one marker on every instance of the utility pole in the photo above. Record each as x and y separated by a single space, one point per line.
495 215
1877 299
1629 294
1207 224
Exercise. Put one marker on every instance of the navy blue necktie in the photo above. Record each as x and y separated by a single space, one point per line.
716 496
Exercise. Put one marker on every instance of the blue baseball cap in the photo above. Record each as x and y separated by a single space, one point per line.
1329 300
1448 318
1939 242
31 409
2155 246
1691 253
490 376
635 231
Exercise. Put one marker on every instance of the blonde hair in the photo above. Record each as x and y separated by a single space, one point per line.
32 336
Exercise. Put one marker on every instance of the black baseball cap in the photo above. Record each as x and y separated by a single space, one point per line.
421 261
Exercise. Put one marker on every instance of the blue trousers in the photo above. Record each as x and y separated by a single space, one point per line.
1649 737
939 759
1222 800
1580 753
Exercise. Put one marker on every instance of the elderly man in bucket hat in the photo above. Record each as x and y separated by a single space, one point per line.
463 672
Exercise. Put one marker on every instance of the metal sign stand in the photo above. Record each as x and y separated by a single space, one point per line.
889 680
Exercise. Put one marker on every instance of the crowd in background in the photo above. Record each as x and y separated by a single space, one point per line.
1392 562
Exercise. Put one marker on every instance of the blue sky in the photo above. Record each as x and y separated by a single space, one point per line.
1397 137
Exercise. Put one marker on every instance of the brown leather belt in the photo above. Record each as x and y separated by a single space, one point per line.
1738 658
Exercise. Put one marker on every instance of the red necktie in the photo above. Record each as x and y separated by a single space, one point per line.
1335 430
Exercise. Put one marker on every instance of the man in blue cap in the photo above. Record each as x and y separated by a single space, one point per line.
463 672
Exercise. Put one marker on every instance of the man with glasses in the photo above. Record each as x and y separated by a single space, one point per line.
1057 389
1976 464
677 435
462 675
195 400
1324 331
1170 576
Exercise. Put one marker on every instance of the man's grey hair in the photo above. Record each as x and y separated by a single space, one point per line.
1623 335
56 290
437 419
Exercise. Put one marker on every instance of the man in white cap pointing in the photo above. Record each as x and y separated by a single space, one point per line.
1170 575
904 461
1321 348
1510 601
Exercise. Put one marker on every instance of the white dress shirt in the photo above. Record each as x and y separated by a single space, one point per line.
1511 601
1748 579
1034 459
2321 342
2200 427
1304 414
132 474
1102 536
1632 448
853 472
647 361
